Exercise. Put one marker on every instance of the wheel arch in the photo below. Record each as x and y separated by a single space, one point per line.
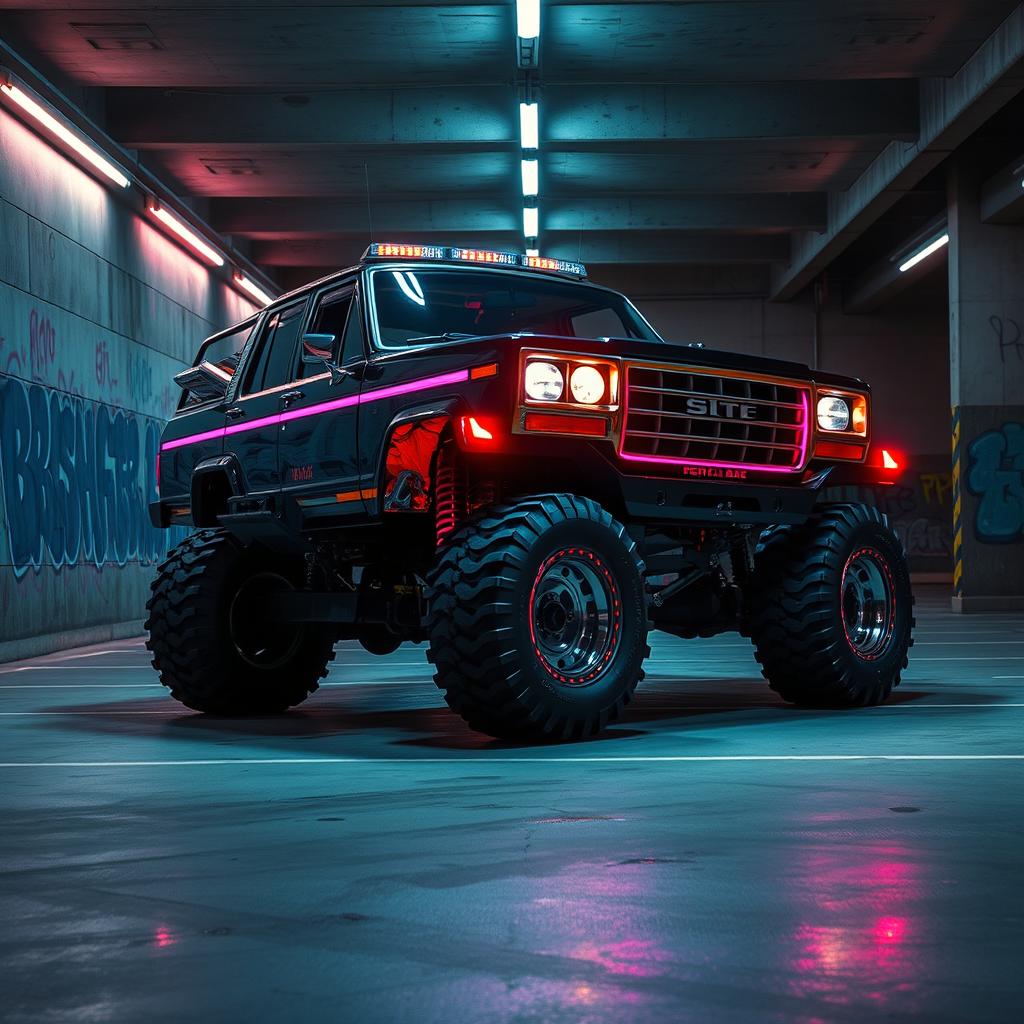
214 482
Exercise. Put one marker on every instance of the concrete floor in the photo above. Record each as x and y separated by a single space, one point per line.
718 857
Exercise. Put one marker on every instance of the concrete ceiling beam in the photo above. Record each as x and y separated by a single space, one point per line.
269 218
951 110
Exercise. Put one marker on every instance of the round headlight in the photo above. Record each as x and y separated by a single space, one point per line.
543 381
587 385
833 413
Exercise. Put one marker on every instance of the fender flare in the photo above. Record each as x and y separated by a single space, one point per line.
434 416
226 467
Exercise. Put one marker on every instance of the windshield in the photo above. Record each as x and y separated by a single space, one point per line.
422 306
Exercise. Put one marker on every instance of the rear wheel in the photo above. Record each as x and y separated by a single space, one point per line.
538 624
830 609
213 637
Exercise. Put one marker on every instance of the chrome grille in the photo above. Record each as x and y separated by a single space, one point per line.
702 417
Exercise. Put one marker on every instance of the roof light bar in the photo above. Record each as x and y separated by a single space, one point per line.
506 259
529 126
419 252
40 114
456 254
186 234
252 288
559 266
924 253
527 19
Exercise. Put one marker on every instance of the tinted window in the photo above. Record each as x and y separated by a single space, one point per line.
278 350
352 344
418 306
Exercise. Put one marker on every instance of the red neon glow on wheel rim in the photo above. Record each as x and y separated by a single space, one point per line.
575 613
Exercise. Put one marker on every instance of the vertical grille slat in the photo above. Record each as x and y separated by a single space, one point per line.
697 417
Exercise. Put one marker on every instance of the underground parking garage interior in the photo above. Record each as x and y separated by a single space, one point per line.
512 512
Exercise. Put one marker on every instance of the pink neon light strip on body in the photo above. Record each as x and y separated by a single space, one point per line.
711 464
395 390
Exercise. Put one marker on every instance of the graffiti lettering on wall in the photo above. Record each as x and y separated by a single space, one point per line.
919 509
75 479
996 475
1008 337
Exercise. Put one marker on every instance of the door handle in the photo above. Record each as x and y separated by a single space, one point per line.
235 412
292 396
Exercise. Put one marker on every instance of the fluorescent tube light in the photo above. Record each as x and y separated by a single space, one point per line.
68 137
924 253
531 221
187 235
528 126
531 177
253 289
528 19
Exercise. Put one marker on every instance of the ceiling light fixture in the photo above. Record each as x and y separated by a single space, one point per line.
186 234
252 288
531 177
924 253
531 221
40 114
529 128
528 19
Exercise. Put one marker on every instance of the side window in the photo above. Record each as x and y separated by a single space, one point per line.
352 343
275 360
329 319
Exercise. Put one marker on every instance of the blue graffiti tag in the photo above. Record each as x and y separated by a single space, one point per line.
76 477
996 475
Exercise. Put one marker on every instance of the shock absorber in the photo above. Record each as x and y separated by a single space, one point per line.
449 498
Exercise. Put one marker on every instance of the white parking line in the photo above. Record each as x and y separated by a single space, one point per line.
310 712
485 761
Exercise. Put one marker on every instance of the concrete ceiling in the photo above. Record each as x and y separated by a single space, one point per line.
700 132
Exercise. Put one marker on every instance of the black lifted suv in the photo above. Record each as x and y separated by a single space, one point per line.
481 451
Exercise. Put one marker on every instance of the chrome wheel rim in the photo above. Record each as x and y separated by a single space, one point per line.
258 640
575 616
868 603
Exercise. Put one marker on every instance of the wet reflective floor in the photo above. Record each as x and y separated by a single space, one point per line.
717 857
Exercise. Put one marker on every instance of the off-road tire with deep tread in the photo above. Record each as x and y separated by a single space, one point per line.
479 620
795 618
190 639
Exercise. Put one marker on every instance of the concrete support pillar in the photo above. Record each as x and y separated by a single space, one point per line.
986 351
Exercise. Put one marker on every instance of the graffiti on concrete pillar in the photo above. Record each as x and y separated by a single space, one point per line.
75 480
1008 337
996 476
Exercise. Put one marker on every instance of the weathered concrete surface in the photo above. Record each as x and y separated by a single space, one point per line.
98 310
367 858
986 350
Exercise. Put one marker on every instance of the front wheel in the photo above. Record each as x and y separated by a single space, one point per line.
830 609
538 623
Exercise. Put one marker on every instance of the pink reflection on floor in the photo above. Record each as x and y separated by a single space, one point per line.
859 942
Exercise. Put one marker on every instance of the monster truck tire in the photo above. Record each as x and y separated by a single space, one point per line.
830 609
538 619
211 646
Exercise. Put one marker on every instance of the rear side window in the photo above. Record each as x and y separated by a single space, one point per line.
277 354
224 352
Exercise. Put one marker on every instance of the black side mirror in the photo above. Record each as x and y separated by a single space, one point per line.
316 347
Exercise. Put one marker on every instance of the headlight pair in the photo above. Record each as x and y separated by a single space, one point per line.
589 384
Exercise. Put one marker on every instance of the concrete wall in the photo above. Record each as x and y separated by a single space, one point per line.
98 310
902 351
